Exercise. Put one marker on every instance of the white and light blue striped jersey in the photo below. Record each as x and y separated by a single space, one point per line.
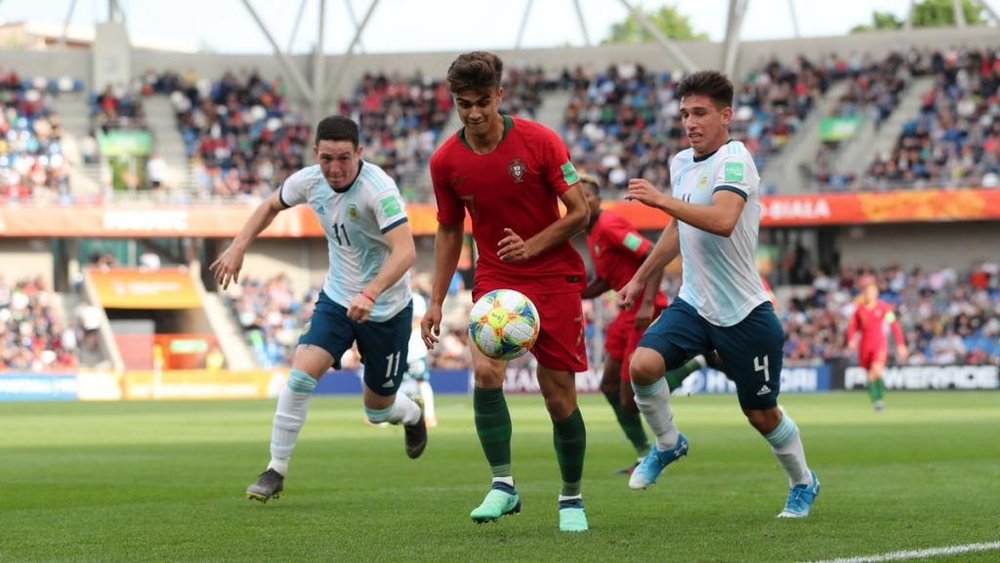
720 278
354 222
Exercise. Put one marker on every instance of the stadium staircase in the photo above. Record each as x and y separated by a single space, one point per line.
858 155
162 123
790 171
552 110
73 109
226 329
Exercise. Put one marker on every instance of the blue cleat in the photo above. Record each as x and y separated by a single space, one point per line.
800 499
655 462
502 500
572 517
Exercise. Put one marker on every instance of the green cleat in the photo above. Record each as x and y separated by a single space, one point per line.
269 485
500 501
572 518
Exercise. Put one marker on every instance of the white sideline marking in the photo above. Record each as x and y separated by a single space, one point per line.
918 554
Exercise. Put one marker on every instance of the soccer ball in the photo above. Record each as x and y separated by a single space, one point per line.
504 324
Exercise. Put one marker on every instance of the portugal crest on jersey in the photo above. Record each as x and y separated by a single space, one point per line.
517 168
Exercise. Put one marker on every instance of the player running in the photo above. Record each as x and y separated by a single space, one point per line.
873 318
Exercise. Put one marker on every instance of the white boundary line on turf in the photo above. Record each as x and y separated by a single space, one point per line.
918 554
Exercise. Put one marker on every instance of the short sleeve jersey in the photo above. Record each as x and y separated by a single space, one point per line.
874 322
617 251
720 278
355 222
516 186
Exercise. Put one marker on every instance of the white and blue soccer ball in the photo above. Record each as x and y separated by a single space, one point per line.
504 324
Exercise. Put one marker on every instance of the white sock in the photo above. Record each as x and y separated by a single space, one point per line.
786 444
427 394
505 480
293 402
405 410
654 404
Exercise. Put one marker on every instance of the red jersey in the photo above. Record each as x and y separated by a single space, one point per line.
874 323
617 250
516 186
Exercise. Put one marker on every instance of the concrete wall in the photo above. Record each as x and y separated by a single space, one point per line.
26 258
930 245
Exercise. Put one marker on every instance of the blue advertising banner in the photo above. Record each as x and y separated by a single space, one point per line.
348 382
16 386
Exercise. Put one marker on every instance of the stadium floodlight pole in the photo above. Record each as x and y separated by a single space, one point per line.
667 44
985 6
795 19
734 26
354 22
524 23
295 28
908 24
69 16
338 75
290 70
583 25
318 65
956 6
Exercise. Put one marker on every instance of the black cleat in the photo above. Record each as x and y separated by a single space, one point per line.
269 485
416 434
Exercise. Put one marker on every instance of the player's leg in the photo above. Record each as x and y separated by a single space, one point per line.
421 374
617 388
384 347
752 353
493 427
876 384
327 337
677 334
561 353
675 377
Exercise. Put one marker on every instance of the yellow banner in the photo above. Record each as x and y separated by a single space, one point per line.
130 288
202 384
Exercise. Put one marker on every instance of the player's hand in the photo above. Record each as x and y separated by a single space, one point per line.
852 345
430 326
226 269
513 248
360 309
644 316
627 294
902 353
644 192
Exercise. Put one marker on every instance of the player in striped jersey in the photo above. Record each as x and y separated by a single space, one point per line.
365 299
722 304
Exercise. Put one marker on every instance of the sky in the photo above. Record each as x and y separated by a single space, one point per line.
225 26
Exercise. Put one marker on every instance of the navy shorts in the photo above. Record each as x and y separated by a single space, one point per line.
383 346
751 349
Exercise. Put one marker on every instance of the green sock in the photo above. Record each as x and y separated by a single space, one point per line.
494 429
631 424
880 386
675 377
570 439
875 390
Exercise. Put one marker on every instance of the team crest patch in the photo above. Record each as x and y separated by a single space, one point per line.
517 169
734 172
703 182
569 174
632 242
352 212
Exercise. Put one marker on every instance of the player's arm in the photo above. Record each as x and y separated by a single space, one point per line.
644 316
897 335
852 329
664 251
402 256
515 249
720 218
226 269
447 249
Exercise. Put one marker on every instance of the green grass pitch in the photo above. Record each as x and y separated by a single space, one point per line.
165 481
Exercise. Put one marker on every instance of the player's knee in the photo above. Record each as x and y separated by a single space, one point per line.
560 407
764 421
610 387
645 367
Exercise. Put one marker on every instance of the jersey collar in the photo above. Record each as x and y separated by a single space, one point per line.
705 157
508 124
361 164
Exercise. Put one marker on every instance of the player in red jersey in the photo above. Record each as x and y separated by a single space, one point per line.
873 318
510 175
617 250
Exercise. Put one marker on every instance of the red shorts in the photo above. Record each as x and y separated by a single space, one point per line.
871 356
621 338
560 345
